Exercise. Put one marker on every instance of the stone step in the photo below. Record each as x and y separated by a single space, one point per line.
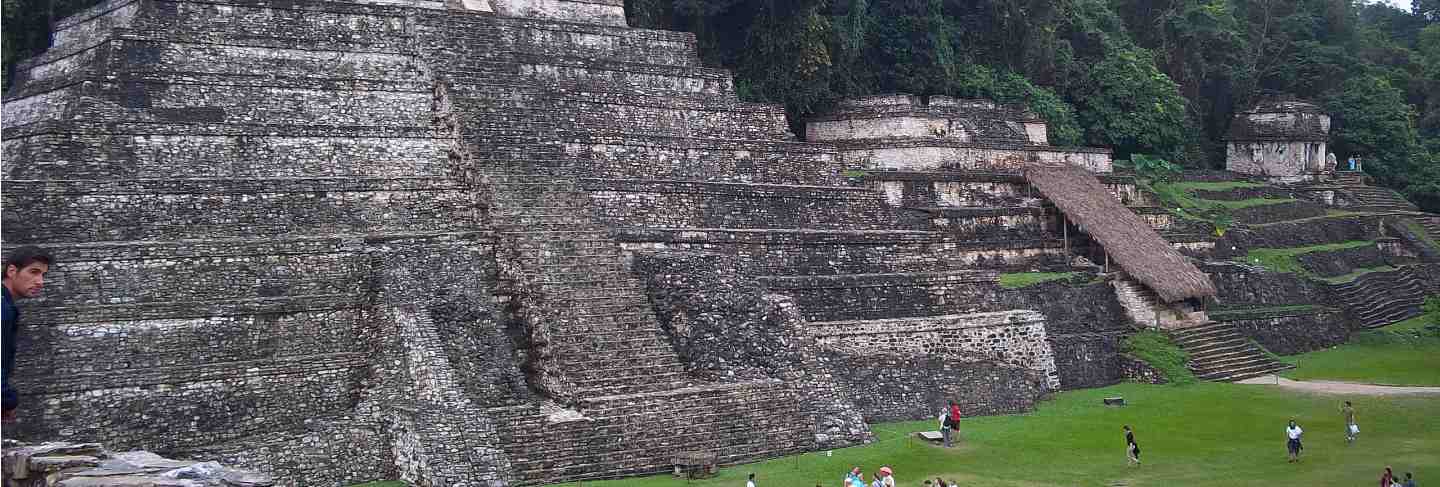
1240 374
1228 363
1235 349
1191 335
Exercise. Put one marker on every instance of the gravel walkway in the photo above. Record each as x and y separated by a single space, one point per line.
1333 387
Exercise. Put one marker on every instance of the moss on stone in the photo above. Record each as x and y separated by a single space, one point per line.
1283 259
1017 280
1156 349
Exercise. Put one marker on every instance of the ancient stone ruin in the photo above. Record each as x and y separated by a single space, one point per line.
486 242
1281 138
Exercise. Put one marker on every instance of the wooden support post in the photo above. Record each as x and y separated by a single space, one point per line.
1065 234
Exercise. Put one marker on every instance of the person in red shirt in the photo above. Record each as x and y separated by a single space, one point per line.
954 418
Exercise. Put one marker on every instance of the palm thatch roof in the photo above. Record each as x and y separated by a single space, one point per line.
1130 241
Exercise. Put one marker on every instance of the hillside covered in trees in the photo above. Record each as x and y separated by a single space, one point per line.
1160 77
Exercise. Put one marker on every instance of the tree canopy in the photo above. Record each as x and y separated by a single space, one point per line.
1161 77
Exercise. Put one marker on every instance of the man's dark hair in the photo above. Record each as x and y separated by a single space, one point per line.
752 476
27 255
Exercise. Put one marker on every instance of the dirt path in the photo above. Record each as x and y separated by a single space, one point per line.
1333 387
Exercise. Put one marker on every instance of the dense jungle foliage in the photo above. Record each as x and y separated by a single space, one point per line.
1159 77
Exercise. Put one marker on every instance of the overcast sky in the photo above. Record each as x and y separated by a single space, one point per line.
1401 4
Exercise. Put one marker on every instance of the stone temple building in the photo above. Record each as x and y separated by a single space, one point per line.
1282 139
505 242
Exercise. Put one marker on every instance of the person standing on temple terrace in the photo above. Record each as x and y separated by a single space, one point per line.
25 270
1292 443
1132 449
1351 429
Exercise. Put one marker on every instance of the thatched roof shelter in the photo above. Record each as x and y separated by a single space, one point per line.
1129 240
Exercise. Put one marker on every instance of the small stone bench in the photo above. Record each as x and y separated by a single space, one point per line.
1114 401
931 436
694 464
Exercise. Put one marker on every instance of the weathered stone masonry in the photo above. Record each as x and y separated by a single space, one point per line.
341 241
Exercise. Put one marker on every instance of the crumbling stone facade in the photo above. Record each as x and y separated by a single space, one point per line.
1281 139
908 132
499 242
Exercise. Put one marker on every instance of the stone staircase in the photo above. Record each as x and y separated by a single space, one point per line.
1431 223
1218 352
1371 198
1139 302
603 336
547 446
1349 178
1381 298
1146 310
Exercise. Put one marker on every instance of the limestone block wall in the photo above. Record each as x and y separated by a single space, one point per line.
709 160
901 115
930 155
802 252
906 388
1276 158
887 296
685 204
987 190
1015 337
216 179
726 324
1085 325
605 12
1292 331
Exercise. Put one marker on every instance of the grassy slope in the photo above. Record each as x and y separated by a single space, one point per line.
1156 349
1214 186
1283 260
1016 280
1205 434
1399 354
1239 204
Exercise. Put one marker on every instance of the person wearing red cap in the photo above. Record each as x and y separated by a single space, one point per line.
887 476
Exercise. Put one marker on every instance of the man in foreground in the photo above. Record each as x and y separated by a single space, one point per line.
24 277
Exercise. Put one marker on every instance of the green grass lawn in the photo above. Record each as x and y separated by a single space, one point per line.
1404 353
1204 434
1247 203
1016 280
1214 185
1283 260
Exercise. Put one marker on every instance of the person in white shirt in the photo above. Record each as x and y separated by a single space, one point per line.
1293 432
751 481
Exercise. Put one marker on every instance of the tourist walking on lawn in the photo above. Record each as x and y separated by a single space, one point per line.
1132 450
887 477
1351 429
1409 481
750 482
1292 445
855 478
1387 479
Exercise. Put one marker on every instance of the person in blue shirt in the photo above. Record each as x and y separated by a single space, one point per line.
24 276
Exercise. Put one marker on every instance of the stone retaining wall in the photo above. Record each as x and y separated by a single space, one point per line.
1013 337
1294 332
